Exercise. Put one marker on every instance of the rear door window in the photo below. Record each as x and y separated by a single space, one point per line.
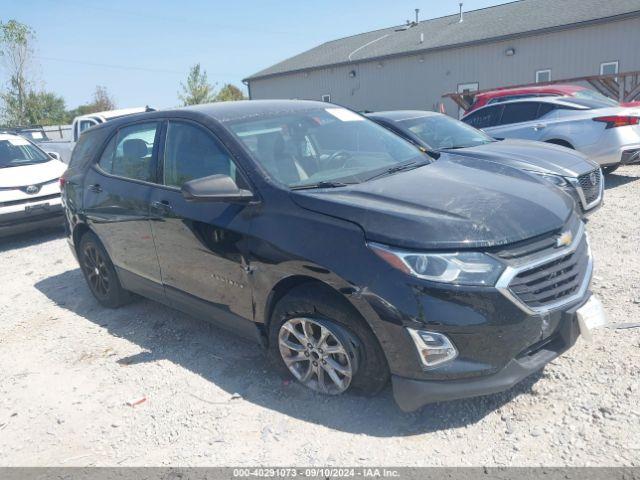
131 152
519 112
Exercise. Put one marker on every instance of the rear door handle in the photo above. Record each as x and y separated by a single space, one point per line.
95 188
161 205
539 126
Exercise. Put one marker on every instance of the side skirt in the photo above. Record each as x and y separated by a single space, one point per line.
219 315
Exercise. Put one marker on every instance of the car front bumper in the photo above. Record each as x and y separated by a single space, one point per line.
411 394
33 217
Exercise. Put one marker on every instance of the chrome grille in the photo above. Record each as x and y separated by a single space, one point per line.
541 275
591 186
553 281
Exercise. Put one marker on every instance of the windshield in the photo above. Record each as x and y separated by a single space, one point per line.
17 151
322 145
441 132
591 95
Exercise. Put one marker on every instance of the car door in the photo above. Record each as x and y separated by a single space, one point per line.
522 120
117 190
202 246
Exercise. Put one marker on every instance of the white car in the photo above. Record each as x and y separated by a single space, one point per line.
29 186
83 122
607 133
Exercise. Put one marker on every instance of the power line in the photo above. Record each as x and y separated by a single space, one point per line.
123 67
108 65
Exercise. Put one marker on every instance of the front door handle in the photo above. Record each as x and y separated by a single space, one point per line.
161 205
95 188
539 126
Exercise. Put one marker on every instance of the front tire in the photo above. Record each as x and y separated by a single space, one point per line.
311 325
100 273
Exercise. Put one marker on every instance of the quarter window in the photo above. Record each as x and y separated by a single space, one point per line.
190 152
130 153
86 124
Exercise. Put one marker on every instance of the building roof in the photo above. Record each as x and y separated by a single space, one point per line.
487 24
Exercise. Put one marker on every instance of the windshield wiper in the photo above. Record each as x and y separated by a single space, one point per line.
458 147
320 185
399 168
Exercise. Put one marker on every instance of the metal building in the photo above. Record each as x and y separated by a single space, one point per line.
412 66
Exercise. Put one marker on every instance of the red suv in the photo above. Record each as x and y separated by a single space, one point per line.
505 94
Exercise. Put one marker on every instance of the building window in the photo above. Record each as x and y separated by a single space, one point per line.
608 68
326 98
543 76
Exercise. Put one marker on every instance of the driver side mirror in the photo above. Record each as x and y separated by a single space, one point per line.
54 155
215 188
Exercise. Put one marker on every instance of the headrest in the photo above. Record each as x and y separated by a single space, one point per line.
135 147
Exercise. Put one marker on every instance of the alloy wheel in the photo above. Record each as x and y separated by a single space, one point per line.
316 356
95 268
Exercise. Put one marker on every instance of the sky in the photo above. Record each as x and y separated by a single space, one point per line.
141 50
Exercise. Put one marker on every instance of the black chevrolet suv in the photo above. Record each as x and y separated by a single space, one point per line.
344 249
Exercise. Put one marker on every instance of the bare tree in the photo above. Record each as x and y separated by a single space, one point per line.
102 100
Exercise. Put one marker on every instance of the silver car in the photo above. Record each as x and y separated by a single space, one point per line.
606 132
568 169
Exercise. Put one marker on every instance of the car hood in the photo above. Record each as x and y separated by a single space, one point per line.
530 155
451 203
31 174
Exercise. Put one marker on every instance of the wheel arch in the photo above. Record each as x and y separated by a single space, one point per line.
288 284
78 232
560 141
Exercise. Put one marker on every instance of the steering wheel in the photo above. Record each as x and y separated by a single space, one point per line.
338 159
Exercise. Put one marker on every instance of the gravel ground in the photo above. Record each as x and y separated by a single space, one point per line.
68 369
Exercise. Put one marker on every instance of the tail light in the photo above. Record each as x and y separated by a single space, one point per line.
62 182
614 121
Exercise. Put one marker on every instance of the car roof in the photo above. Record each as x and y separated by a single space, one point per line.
224 111
107 114
569 102
401 115
562 89
10 136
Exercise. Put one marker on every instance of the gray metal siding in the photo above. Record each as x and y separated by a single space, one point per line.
418 81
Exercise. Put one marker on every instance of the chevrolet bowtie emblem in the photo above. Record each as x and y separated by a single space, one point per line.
564 239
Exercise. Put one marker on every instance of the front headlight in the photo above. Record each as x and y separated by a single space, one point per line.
557 180
460 268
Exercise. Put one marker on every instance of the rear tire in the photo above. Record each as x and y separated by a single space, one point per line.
609 169
320 309
100 273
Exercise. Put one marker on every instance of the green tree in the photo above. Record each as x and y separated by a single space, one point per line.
197 89
45 108
229 93
16 52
